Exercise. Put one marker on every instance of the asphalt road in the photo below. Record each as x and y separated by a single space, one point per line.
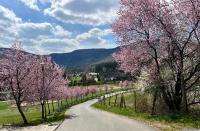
83 117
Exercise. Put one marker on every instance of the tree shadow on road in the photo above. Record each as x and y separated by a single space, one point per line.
70 116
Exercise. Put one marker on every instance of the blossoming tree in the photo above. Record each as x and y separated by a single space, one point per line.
17 74
161 37
48 81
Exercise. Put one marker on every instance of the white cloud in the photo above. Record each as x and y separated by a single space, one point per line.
58 45
91 39
7 18
94 38
60 32
35 30
45 1
95 32
8 15
89 12
31 4
33 35
46 38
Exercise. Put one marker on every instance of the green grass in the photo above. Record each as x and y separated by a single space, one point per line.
167 122
3 105
76 78
9 115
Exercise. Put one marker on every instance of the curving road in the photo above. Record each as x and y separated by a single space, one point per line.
83 117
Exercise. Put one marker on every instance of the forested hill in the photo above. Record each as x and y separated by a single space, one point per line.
79 60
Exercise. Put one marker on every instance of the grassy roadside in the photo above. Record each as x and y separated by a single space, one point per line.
170 122
10 115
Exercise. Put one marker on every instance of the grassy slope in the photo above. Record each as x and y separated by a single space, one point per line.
164 122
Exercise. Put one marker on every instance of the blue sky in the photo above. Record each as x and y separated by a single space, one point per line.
57 26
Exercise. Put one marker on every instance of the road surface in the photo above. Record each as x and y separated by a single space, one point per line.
83 117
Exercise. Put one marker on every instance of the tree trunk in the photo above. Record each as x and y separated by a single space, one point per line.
61 103
167 97
58 103
154 103
177 97
42 105
174 100
45 111
124 103
135 101
48 107
184 100
52 105
121 101
22 114
115 99
17 100
109 100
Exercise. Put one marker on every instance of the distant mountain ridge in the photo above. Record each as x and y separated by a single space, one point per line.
79 60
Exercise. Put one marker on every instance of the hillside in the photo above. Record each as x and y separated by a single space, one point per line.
79 60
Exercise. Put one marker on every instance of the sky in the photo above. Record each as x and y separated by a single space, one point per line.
58 26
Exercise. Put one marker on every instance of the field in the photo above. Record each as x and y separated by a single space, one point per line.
165 122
